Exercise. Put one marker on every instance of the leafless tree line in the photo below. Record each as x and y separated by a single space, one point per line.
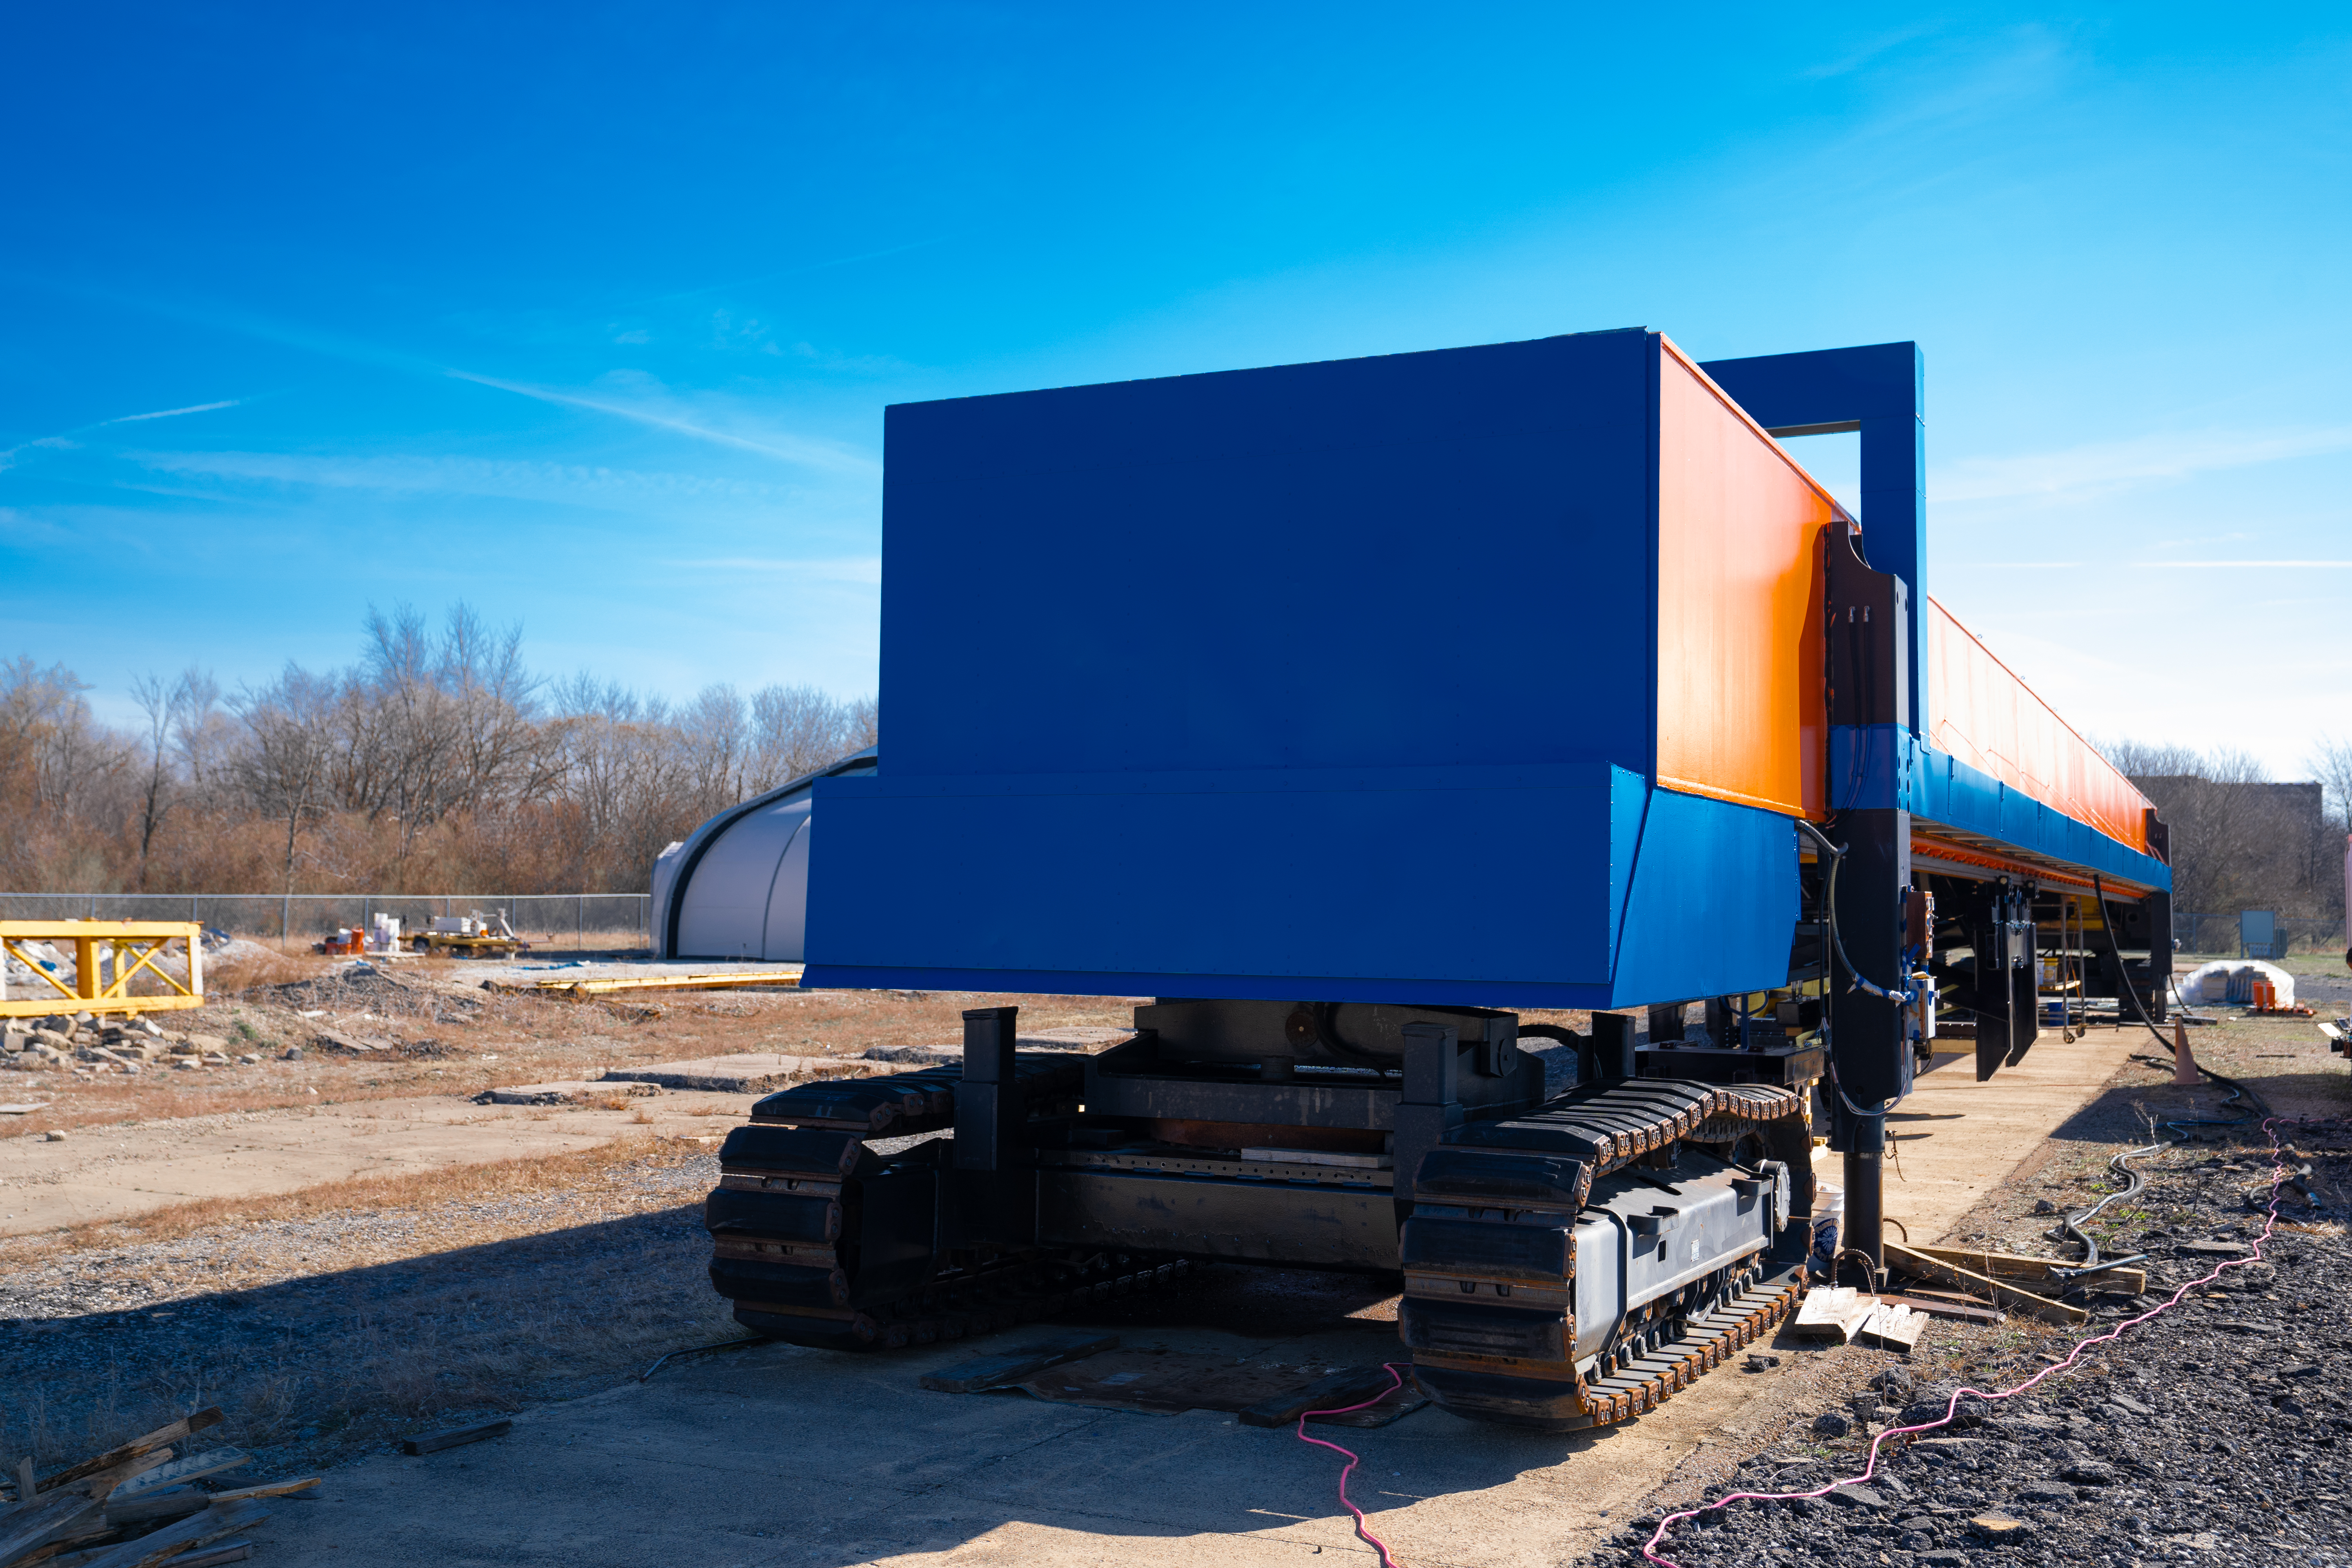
437 758
2241 840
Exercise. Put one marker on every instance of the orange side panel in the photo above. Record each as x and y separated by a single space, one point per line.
1981 713
1742 528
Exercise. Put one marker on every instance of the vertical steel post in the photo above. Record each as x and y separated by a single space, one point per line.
988 1110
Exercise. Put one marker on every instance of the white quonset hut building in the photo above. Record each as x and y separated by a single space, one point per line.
737 887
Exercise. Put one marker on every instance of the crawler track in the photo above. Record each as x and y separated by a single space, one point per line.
822 1238
1490 1264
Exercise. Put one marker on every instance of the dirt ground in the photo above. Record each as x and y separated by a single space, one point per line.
328 1319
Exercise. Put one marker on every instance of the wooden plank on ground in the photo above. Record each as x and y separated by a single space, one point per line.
1909 1260
1937 1307
165 1503
456 1437
2014 1266
1894 1326
1023 1361
32 1526
137 1447
203 1530
212 1556
1833 1312
211 1461
267 1488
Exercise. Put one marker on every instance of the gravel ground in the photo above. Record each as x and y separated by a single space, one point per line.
2208 1433
321 1336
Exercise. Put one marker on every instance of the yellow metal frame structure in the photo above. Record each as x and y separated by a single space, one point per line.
135 945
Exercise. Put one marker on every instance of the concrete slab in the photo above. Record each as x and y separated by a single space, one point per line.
782 1455
1956 1139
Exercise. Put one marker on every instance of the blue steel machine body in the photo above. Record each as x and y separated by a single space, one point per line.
1337 708
1330 679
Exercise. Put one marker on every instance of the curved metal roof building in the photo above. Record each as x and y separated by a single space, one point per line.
737 887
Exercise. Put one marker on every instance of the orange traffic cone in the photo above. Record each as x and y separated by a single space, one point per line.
2184 1066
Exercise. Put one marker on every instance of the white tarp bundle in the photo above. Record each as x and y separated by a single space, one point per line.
2230 981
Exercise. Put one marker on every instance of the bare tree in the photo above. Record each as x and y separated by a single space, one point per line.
795 730
2331 763
289 760
169 710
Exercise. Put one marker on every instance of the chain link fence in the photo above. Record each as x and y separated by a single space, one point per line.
599 921
2216 935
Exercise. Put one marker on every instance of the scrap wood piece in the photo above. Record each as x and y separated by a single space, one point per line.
337 1040
1349 1385
456 1437
33 1525
1833 1311
1937 1307
1918 1264
138 1447
212 1556
1894 1326
2016 1266
146 1508
211 1461
991 1372
268 1489
200 1530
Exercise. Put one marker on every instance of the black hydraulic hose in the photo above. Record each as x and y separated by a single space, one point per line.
2122 979
1837 941
2070 1227
1837 944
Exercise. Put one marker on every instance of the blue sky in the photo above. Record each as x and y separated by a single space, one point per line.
587 315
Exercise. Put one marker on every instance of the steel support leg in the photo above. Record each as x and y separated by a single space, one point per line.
1870 1058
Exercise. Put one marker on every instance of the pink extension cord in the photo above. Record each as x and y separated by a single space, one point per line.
1396 1375
2278 1174
1395 1370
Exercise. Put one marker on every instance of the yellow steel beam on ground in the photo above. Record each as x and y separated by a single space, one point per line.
664 982
135 946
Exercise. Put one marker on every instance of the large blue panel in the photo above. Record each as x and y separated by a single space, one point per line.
1421 560
1391 876
1563 886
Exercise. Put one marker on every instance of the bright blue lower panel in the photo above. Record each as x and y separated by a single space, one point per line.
1886 766
1384 876
1714 906
1467 886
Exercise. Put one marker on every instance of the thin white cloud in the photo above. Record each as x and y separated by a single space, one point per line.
63 441
2115 465
789 448
2208 565
2006 565
171 413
